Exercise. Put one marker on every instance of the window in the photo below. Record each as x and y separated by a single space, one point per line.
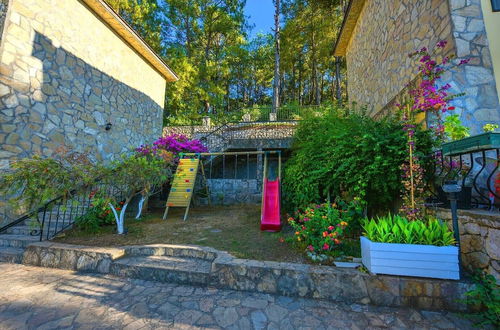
495 4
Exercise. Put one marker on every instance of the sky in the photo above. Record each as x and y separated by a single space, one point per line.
261 14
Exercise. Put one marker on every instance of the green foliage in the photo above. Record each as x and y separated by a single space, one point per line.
138 174
490 127
319 228
397 229
454 128
485 296
348 154
98 215
33 182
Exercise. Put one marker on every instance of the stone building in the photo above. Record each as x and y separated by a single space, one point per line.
74 73
377 36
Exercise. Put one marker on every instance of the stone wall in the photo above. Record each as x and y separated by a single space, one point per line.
378 66
480 238
233 191
480 105
387 30
65 75
225 271
4 5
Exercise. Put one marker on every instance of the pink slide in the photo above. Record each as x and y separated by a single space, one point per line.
271 207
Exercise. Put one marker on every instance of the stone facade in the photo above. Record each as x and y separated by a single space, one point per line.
64 76
209 267
480 239
388 30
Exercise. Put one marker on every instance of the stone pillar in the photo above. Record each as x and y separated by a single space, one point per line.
260 169
207 122
480 105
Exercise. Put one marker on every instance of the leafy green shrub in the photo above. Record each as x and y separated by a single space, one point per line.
30 183
347 154
98 215
320 229
454 128
486 296
397 229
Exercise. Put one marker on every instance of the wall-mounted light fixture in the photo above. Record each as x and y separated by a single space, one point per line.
108 126
495 4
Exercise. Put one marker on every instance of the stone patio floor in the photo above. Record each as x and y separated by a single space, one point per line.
43 298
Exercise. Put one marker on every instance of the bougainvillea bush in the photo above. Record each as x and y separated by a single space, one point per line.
321 229
173 144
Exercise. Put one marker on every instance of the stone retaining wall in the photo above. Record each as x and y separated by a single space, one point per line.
480 238
298 280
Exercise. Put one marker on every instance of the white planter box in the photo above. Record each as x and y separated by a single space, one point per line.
410 259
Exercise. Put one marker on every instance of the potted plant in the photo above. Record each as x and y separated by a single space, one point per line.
393 245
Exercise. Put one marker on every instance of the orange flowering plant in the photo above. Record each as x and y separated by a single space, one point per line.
319 228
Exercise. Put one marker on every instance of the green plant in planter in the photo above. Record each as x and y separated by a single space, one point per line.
397 229
454 128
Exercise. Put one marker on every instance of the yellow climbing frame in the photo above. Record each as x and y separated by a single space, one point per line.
183 185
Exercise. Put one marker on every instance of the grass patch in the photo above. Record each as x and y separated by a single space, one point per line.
235 229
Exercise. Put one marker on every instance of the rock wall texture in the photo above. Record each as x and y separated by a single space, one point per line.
480 239
379 68
63 76
220 269
4 5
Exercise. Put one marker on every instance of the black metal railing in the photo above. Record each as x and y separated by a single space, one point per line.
61 213
476 170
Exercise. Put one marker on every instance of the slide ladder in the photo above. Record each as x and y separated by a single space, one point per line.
183 183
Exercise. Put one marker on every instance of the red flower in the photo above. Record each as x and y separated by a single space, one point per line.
326 246
451 108
311 248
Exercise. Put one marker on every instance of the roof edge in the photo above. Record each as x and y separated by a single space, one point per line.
131 37
348 25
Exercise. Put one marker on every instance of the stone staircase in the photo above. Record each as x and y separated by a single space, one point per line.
14 240
183 265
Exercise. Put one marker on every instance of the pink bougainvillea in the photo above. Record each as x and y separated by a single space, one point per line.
174 143
428 97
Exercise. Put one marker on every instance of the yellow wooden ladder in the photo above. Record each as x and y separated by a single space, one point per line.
183 183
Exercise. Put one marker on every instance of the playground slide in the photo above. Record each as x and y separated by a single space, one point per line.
271 208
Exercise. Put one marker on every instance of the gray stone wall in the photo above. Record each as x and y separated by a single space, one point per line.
69 102
387 30
231 192
480 104
480 238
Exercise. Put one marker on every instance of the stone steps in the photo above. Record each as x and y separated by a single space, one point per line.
11 254
26 230
17 241
167 269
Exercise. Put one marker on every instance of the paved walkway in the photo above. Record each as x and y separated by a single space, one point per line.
41 298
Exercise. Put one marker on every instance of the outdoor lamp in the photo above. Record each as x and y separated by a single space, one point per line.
452 189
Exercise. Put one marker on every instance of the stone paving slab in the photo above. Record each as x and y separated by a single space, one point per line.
43 298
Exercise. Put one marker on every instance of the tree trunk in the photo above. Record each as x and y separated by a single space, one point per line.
277 80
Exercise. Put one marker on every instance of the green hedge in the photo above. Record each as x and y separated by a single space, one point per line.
348 155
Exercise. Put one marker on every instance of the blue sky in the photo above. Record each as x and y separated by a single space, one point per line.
261 14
